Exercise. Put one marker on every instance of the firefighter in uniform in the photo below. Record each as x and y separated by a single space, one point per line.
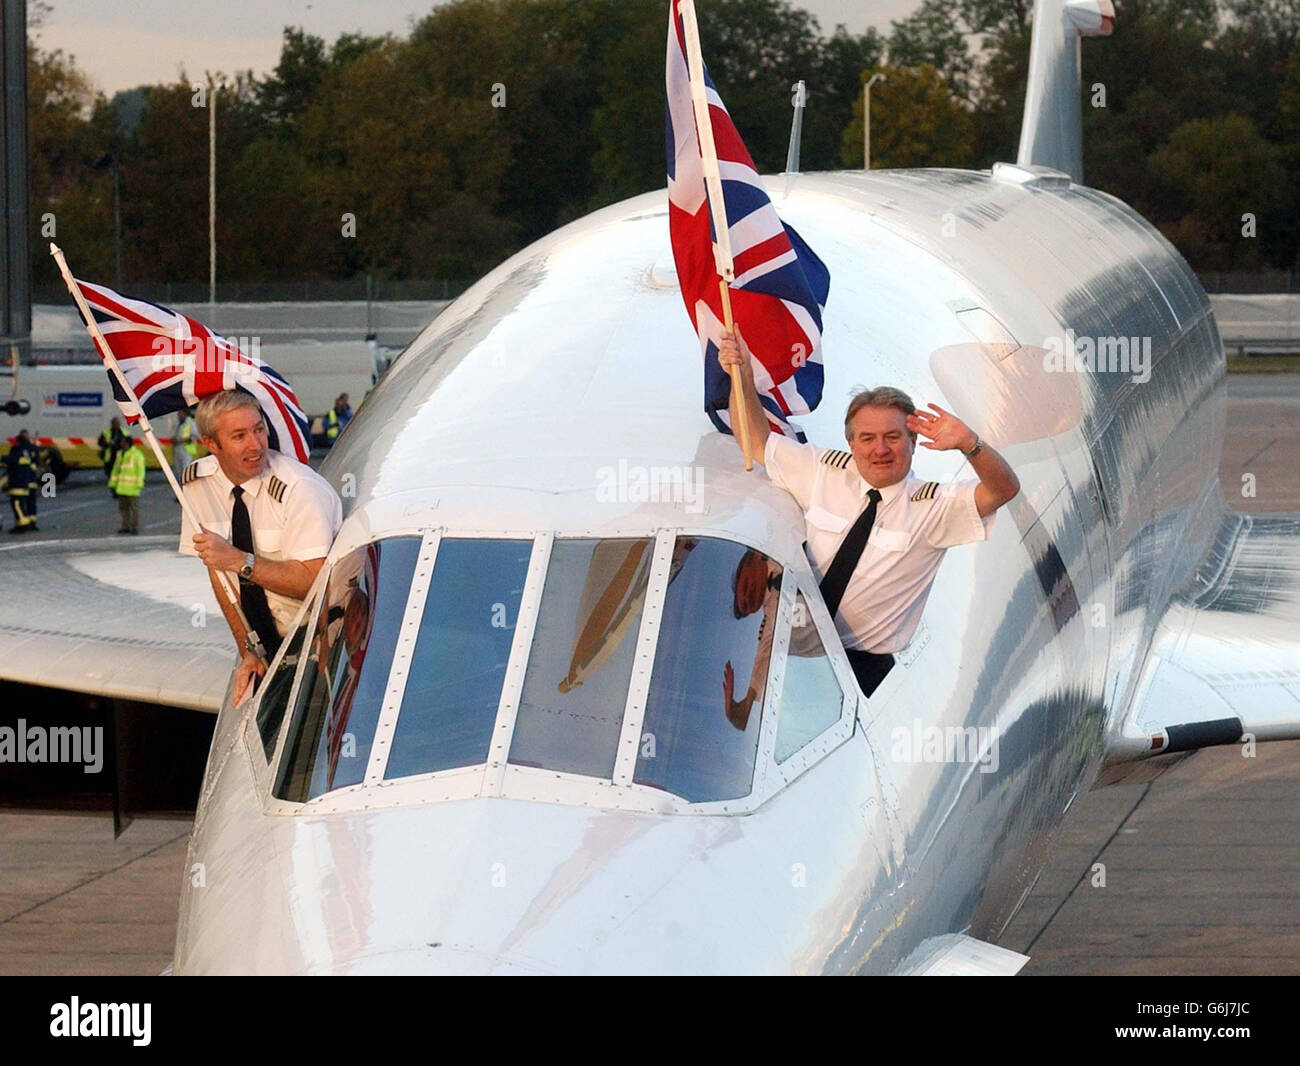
23 468
267 519
875 533
126 482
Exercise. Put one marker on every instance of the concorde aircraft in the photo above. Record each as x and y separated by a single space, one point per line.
498 741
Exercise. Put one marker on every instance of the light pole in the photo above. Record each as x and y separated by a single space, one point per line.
866 119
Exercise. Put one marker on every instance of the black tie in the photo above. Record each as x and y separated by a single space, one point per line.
252 597
846 559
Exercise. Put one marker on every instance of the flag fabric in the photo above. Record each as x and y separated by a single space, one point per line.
780 285
172 362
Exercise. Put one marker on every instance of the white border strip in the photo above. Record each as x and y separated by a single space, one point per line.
770 709
512 684
404 651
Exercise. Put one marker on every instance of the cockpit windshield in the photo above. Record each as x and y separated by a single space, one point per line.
576 687
453 689
637 663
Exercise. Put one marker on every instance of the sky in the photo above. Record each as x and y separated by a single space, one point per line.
122 45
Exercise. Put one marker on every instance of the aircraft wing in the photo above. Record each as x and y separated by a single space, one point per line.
133 620
1225 658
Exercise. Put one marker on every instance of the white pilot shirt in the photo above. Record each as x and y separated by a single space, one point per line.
916 521
294 513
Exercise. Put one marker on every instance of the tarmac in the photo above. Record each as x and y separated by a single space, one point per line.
1200 866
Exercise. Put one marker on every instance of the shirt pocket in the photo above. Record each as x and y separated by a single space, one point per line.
889 540
268 541
823 520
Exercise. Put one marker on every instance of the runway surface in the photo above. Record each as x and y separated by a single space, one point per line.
1200 866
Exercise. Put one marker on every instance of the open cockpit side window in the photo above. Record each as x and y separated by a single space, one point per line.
341 690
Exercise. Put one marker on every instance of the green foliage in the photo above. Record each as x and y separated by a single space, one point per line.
931 35
68 126
1212 172
915 122
406 135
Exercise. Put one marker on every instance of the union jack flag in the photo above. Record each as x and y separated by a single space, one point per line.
172 362
780 285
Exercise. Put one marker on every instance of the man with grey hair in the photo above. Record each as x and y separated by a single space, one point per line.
266 517
875 533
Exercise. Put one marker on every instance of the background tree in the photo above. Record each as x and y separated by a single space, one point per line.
69 126
915 122
491 122
1211 173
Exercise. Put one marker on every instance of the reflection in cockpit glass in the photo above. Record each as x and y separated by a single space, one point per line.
571 710
449 707
700 736
342 688
275 692
811 699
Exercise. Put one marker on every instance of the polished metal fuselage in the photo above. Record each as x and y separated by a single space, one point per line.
575 355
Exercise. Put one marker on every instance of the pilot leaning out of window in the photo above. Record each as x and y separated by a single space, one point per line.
267 519
876 534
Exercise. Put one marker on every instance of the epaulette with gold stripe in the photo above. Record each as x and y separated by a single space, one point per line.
926 491
276 488
839 460
191 473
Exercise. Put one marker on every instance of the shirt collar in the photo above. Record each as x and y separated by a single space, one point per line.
251 487
888 493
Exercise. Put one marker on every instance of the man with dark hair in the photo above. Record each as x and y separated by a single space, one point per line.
875 533
111 441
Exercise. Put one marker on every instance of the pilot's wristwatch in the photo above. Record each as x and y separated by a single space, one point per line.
979 444
246 571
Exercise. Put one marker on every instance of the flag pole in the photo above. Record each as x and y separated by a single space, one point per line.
718 209
92 327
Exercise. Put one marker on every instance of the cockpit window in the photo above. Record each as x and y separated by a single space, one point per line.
342 687
275 693
571 709
700 735
449 707
811 699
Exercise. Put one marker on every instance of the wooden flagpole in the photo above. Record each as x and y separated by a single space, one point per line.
718 208
92 327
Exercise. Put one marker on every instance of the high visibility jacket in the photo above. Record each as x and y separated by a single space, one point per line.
110 444
127 478
332 425
187 438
